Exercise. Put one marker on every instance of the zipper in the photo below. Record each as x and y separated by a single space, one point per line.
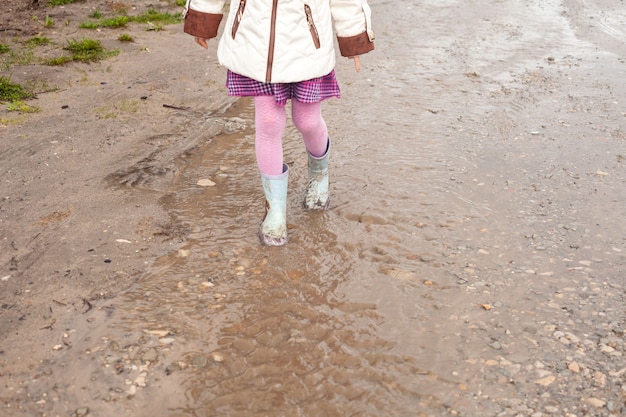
238 17
309 19
270 52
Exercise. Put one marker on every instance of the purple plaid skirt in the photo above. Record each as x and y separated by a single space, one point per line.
310 91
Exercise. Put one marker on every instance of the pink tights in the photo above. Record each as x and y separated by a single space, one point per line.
271 120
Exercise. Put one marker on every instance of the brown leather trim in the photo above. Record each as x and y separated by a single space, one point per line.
202 25
355 45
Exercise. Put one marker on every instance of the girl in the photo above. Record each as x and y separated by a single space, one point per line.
276 50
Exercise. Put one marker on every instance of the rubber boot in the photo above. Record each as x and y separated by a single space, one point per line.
273 229
317 196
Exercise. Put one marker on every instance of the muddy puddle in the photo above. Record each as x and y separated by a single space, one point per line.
470 263
339 322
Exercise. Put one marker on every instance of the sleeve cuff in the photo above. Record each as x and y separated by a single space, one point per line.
202 25
355 45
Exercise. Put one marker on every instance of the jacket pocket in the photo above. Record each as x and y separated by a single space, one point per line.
309 20
238 17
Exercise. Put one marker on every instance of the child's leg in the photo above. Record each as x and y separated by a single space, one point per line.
270 120
308 120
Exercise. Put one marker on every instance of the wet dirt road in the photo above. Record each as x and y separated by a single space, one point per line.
472 262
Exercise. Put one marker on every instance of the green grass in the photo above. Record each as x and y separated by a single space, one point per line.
4 48
152 17
97 14
125 37
60 60
16 121
22 56
89 25
37 41
61 2
88 50
12 92
85 50
20 106
49 22
115 22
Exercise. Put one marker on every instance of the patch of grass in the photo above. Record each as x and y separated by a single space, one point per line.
155 19
37 41
15 121
20 106
12 92
88 50
115 22
89 25
111 22
152 16
60 60
49 22
97 14
4 48
154 27
61 2
22 56
125 37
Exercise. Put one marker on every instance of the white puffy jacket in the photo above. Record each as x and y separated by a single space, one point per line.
283 40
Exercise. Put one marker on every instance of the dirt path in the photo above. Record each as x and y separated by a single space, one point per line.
519 251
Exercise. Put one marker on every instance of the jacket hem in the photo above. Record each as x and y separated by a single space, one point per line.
202 25
355 45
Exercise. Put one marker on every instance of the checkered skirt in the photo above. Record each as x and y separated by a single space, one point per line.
309 91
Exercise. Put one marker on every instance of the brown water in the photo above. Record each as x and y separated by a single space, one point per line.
472 177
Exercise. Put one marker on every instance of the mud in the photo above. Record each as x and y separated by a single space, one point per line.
471 263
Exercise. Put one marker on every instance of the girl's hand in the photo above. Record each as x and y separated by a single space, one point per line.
357 63
202 42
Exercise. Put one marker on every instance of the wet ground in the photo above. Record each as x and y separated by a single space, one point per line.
472 261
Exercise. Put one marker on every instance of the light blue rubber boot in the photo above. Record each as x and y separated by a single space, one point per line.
273 229
317 195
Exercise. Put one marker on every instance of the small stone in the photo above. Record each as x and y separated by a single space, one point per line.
606 349
544 382
574 367
496 345
140 381
217 357
596 402
81 412
158 333
206 183
599 379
